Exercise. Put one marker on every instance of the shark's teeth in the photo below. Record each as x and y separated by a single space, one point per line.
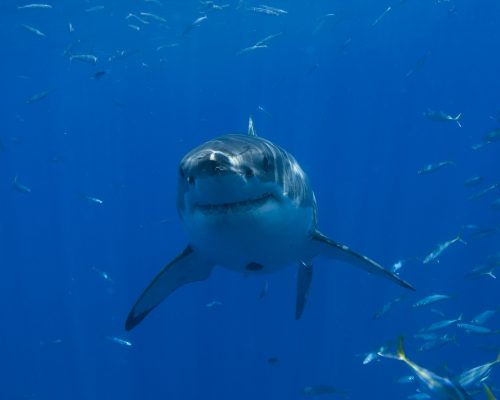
238 206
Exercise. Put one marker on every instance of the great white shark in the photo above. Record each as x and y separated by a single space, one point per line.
246 205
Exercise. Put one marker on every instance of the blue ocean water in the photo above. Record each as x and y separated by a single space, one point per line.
89 155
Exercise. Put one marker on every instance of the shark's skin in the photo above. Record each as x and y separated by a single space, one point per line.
246 205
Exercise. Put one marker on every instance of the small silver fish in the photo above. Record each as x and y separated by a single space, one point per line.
379 18
87 58
433 255
442 324
36 31
430 168
387 306
213 303
37 97
153 17
194 24
484 192
137 18
35 5
482 271
476 375
19 186
94 199
419 396
441 116
437 343
480 330
434 298
438 312
473 181
482 318
439 386
406 379
493 135
119 341
318 390
425 336
94 9
251 48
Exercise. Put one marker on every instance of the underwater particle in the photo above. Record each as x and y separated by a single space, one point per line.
104 275
273 360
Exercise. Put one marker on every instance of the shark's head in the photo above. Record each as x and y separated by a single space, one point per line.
237 174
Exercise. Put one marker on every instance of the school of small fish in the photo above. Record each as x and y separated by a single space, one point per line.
150 15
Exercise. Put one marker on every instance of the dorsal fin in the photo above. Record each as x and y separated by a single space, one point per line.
251 129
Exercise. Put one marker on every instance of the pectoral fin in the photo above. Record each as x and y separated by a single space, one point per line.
326 247
185 268
304 278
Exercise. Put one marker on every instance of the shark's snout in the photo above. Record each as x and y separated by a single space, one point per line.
208 164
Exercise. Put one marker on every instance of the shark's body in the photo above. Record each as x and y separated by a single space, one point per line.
247 206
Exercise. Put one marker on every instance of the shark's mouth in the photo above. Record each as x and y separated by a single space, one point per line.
235 207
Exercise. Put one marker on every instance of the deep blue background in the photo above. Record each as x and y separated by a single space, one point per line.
352 118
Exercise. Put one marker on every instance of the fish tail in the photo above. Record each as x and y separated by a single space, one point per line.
489 393
401 349
460 317
459 239
457 119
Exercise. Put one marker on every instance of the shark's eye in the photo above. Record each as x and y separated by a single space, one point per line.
248 172
266 163
190 179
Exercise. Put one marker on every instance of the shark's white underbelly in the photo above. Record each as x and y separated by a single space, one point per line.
262 239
